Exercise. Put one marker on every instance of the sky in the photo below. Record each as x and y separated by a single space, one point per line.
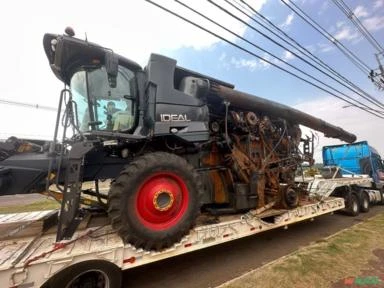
135 29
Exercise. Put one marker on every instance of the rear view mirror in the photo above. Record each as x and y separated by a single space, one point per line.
111 65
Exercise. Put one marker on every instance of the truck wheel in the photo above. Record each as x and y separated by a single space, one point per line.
353 208
381 202
93 273
364 206
155 201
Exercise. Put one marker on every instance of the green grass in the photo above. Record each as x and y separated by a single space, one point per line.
46 204
323 263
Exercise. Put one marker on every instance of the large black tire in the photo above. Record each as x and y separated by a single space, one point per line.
93 273
364 203
155 201
381 202
353 205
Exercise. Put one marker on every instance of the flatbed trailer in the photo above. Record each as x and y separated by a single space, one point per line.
97 254
357 190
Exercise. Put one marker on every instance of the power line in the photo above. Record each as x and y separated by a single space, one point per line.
376 78
355 20
258 47
366 96
348 53
5 135
29 105
298 46
255 55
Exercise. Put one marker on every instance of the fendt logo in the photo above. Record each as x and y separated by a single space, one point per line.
174 118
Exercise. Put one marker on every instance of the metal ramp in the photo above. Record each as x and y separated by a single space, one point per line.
325 187
26 223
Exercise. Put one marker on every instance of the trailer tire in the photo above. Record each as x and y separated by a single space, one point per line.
365 200
92 273
155 201
353 208
381 202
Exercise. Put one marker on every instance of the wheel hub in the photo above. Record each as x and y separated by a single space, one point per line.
163 200
291 198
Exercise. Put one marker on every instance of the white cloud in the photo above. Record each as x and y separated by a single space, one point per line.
346 33
223 61
378 4
323 8
352 119
264 64
288 56
360 12
222 56
374 23
288 21
310 48
325 47
251 64
340 24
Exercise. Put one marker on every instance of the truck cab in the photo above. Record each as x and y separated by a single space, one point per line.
354 172
356 159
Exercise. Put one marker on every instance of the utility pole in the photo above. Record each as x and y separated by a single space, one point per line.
377 76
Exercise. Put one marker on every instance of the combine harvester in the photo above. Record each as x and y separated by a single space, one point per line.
193 162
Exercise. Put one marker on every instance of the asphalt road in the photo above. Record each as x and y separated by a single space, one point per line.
213 266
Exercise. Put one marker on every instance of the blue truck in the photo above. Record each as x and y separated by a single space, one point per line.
352 163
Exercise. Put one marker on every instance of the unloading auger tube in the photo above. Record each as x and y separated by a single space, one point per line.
250 102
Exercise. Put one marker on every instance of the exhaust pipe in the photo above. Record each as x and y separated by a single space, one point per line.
250 102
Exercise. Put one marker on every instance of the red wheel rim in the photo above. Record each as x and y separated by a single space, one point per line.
162 201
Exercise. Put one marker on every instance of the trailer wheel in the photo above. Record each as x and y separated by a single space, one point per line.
381 202
364 205
93 273
155 201
353 205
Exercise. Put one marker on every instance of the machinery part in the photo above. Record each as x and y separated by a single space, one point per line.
215 127
155 201
290 198
251 102
364 205
251 119
353 205
93 273
70 215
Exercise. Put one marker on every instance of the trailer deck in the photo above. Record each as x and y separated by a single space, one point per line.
31 261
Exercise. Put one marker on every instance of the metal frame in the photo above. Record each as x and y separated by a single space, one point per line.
32 261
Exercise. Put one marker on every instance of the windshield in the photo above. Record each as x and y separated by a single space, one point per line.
100 107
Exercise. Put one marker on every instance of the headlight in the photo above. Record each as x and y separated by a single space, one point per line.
53 44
